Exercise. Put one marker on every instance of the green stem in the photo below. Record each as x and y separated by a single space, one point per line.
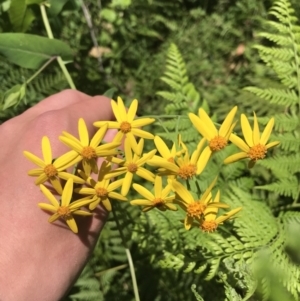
59 59
129 258
40 70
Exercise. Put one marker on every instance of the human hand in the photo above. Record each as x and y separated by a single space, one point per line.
39 260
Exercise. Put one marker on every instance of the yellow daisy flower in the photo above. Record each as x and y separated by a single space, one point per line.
217 139
126 124
101 191
255 145
211 222
160 199
65 209
195 209
132 165
184 166
49 170
88 151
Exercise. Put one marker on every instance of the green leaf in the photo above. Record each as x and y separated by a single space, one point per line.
56 6
121 3
108 15
29 2
13 96
110 92
20 15
31 51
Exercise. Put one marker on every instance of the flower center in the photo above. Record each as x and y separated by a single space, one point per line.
125 127
101 192
88 153
196 209
257 152
187 171
64 212
209 226
171 159
217 143
50 170
132 167
158 202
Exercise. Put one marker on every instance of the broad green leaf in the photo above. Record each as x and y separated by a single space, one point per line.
13 96
31 51
121 3
20 15
56 6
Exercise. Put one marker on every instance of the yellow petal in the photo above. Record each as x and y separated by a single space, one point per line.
201 127
80 203
188 222
142 134
208 122
67 193
115 173
71 143
138 123
127 183
46 149
83 133
256 133
117 112
41 179
146 158
239 143
114 185
82 212
98 137
203 160
132 111
35 172
127 150
141 202
34 159
72 224
66 160
157 186
208 190
47 207
107 204
228 215
162 148
144 192
94 204
210 213
171 206
117 196
66 176
227 123
272 144
49 196
56 184
267 132
53 217
145 174
235 157
183 193
247 131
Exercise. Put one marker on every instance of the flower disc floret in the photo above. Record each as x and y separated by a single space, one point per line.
257 152
50 171
217 143
187 171
195 209
208 226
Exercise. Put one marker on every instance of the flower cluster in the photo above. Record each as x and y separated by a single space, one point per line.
101 172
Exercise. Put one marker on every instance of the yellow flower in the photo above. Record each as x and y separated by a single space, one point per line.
159 200
132 165
88 151
126 123
49 170
102 190
255 145
65 209
195 209
210 222
217 139
183 166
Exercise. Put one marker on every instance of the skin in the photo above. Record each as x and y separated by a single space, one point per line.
39 260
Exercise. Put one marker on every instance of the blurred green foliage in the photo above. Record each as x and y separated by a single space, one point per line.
123 44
